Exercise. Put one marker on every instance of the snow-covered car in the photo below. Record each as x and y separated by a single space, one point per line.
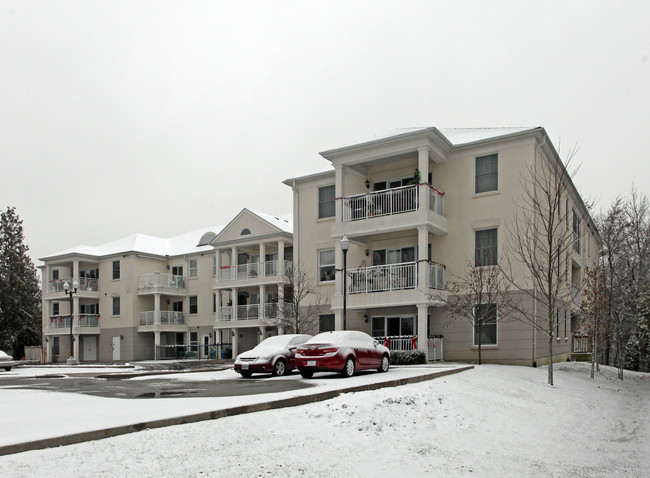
6 361
275 355
343 351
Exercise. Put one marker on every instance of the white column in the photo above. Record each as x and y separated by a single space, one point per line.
156 309
422 330
423 247
339 192
423 166
262 313
235 342
281 258
75 272
218 271
234 298
233 263
262 266
262 332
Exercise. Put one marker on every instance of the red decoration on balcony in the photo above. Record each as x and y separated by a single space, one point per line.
414 342
386 342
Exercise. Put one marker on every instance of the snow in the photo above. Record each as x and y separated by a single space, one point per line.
492 420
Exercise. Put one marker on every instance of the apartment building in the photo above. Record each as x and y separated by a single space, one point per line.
415 206
139 294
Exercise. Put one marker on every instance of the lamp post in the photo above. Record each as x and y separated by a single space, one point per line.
69 292
345 245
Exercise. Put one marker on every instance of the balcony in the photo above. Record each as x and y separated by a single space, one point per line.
161 283
253 270
166 318
391 210
56 285
393 277
86 321
271 310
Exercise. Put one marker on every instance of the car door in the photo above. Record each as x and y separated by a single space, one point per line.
363 346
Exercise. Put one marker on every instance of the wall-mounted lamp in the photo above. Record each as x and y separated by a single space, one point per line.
367 184
46 339
232 333
365 318
121 337
367 252
167 301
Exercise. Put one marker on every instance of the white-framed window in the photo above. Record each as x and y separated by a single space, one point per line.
326 266
214 266
576 232
487 173
487 314
116 306
557 324
397 326
325 323
55 346
194 268
485 247
194 304
326 202
214 303
381 257
116 270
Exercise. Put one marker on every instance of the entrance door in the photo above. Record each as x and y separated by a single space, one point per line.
116 348
90 349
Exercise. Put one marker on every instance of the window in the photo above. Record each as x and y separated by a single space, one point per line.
378 327
326 202
245 232
485 248
116 306
326 265
565 327
395 256
55 346
177 306
487 175
576 232
177 270
55 274
325 323
194 305
116 270
214 303
55 308
557 324
214 266
194 268
486 315
393 326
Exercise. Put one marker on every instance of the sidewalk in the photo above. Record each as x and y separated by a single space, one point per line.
40 419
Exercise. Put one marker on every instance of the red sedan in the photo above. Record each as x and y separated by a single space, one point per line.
341 351
274 355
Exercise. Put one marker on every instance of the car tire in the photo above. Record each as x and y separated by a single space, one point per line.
385 364
306 374
8 369
280 368
348 370
246 374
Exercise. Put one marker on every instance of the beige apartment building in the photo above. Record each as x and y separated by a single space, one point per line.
416 206
144 297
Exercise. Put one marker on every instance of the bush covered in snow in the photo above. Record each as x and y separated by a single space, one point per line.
410 357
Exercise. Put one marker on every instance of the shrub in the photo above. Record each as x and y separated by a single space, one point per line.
411 357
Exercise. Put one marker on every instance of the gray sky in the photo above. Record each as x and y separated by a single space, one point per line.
161 117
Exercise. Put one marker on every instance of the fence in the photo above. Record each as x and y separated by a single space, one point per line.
194 351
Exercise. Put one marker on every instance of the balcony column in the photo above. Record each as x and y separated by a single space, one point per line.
262 262
339 192
280 303
233 299
75 272
422 268
281 259
262 333
423 344
233 263
218 265
234 337
262 313
156 309
423 166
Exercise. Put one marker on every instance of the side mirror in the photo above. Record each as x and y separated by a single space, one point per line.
375 343
293 348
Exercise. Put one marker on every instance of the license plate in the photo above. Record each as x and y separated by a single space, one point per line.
244 366
311 363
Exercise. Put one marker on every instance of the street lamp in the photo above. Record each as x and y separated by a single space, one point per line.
345 245
68 291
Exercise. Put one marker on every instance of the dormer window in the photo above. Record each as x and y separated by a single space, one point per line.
245 232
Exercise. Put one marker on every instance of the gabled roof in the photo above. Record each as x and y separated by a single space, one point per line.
178 245
277 223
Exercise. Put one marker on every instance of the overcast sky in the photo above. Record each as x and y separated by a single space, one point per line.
161 117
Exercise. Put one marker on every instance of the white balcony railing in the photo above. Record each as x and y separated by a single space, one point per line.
436 201
382 278
60 322
158 279
167 317
253 270
87 284
224 314
401 342
89 320
380 203
56 285
248 312
436 276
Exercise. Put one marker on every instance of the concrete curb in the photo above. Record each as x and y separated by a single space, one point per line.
227 412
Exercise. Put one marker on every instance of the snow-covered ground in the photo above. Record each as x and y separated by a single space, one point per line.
491 421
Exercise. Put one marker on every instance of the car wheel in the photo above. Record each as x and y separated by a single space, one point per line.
385 363
246 374
8 369
306 374
348 370
280 368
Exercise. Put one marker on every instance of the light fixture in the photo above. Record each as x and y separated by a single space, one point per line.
367 184
365 318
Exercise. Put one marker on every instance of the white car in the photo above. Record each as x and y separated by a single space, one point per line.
6 361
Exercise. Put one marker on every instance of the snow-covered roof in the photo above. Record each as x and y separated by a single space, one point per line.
455 136
182 244
285 224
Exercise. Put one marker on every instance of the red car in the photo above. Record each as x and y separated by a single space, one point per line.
274 355
341 351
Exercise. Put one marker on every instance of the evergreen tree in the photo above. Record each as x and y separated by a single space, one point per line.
20 294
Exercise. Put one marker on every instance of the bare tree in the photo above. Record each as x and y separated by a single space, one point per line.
593 313
541 238
478 297
302 303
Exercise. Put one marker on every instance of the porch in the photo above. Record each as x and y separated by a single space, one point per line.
391 277
254 270
407 343
158 282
